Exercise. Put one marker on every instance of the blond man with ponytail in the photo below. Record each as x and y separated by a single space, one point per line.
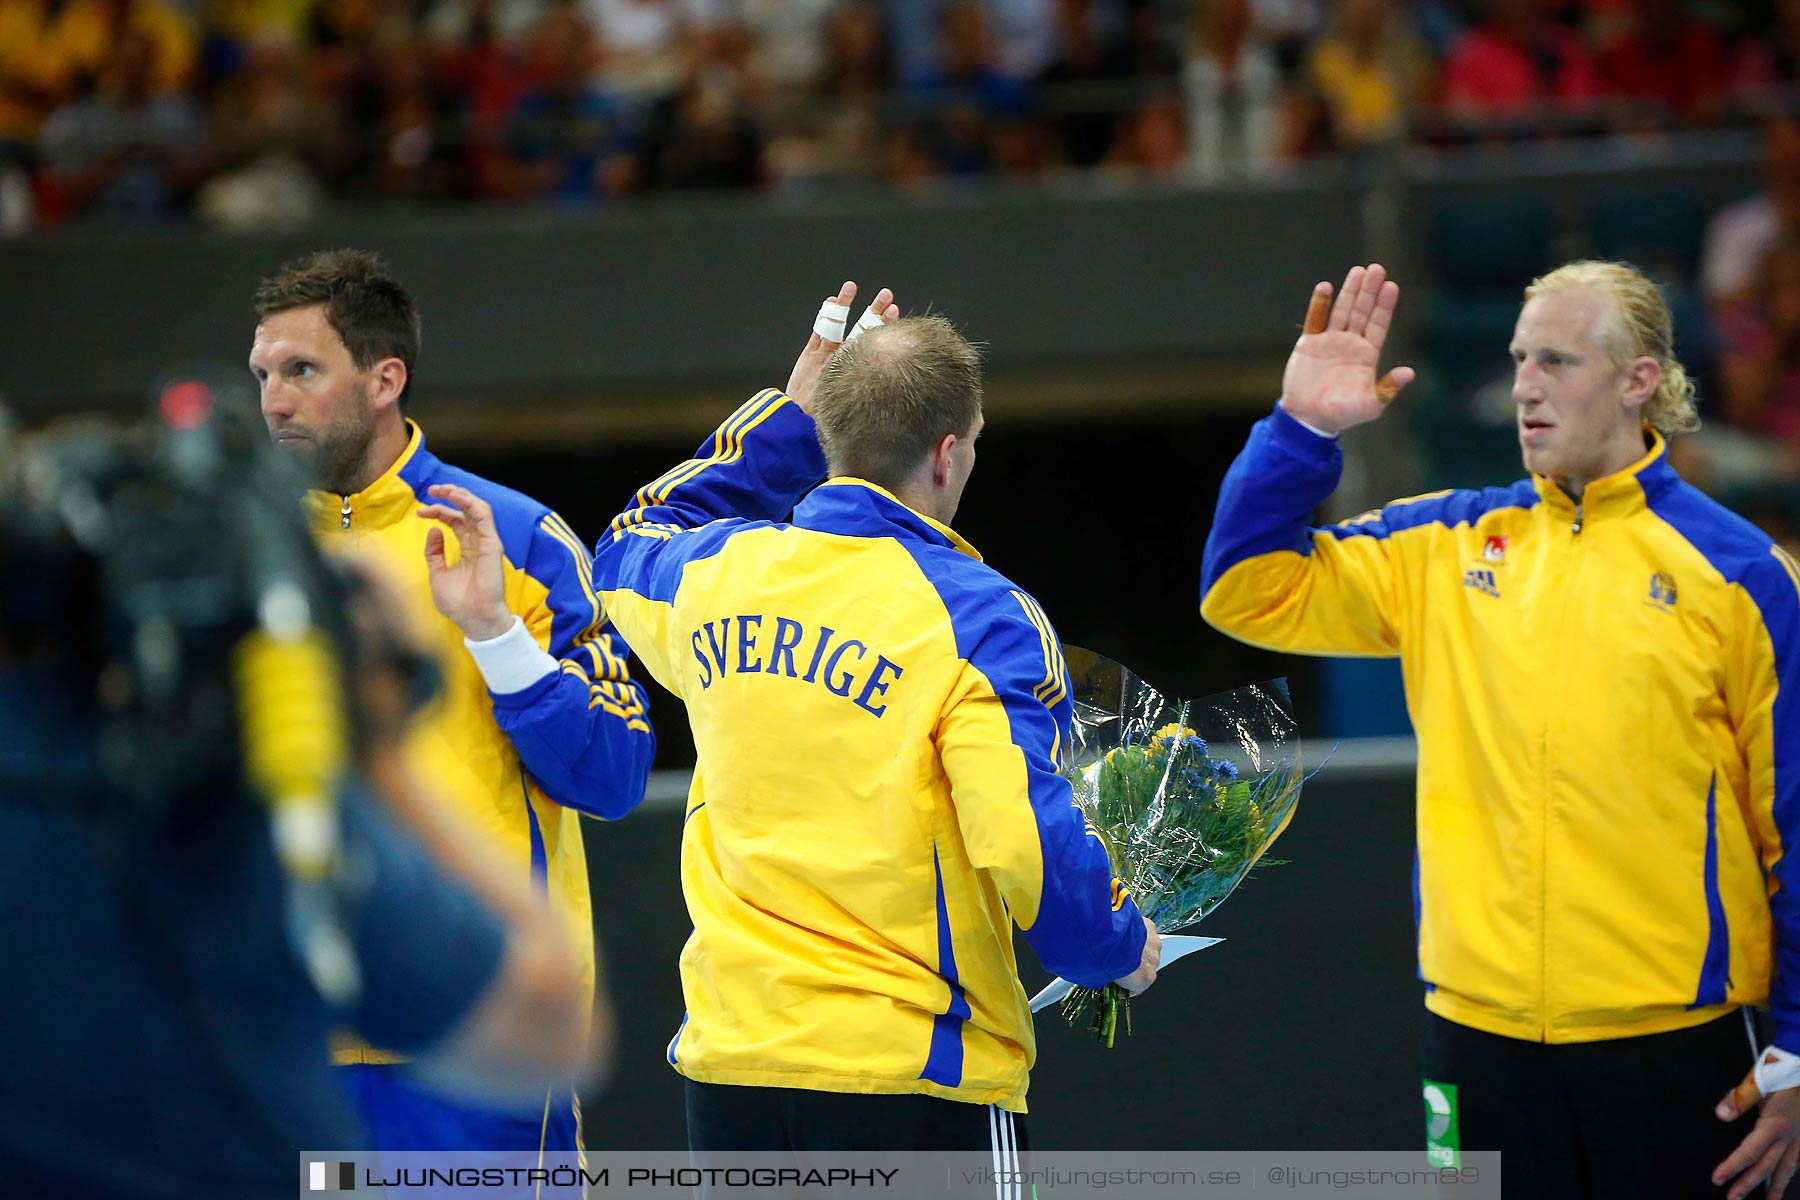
1603 669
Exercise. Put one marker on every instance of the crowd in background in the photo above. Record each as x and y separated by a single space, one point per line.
255 113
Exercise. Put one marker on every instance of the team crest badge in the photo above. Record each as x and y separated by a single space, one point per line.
1494 551
1662 591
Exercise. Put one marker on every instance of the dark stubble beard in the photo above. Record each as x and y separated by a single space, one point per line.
340 452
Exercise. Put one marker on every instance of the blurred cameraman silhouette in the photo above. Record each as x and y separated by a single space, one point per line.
206 831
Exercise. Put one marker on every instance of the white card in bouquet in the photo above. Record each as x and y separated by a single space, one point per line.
1174 948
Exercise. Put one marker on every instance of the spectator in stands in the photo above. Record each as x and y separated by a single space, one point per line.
83 39
1155 138
462 24
1740 236
789 43
1518 63
831 128
342 36
278 144
1438 23
30 77
1760 358
229 28
711 142
124 151
412 150
1768 63
857 63
1370 72
963 98
1087 87
642 42
568 140
1235 94
1290 26
1024 34
1663 55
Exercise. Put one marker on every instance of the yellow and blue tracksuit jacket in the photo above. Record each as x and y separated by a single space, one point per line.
518 767
878 718
1607 702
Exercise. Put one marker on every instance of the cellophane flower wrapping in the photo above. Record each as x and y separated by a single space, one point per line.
1186 796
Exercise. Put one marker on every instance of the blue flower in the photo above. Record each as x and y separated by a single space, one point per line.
1224 770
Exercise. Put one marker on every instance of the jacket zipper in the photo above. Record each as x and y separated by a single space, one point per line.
344 512
1544 812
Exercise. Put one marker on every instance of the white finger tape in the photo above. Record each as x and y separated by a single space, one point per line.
829 324
1777 1070
869 320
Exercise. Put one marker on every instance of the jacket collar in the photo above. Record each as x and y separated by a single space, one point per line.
385 501
1618 494
862 509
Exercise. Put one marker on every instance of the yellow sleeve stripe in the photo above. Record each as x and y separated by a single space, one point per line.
728 446
1120 893
625 697
598 699
1043 641
1375 514
1438 495
618 701
1787 564
584 565
607 665
725 443
1051 690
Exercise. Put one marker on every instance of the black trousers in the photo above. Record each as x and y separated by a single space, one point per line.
807 1128
1628 1117
725 1118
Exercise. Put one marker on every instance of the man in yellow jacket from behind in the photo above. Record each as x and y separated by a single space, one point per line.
1603 667
878 717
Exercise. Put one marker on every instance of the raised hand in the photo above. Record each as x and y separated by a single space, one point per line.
804 379
1330 379
472 592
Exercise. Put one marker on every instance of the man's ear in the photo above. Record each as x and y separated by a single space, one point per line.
1642 375
940 460
386 383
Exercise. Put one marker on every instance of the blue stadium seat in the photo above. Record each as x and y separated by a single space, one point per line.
1488 244
1657 231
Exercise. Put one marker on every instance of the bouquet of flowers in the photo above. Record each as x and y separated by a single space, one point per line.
1186 796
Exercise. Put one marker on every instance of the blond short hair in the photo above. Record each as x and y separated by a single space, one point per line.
1636 324
888 397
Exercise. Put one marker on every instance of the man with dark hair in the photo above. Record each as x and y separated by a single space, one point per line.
539 720
879 718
